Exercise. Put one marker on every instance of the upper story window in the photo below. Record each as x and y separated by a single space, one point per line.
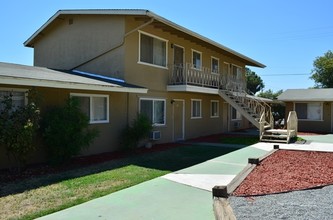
236 72
312 111
154 109
196 59
196 108
153 50
18 97
215 65
95 106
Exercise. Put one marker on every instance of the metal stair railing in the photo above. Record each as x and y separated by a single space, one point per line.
255 108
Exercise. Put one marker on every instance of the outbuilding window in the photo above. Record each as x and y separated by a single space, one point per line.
312 111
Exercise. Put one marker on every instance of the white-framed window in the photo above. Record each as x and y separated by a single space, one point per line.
312 111
196 111
237 72
19 97
196 59
154 109
96 106
235 115
153 50
215 66
214 108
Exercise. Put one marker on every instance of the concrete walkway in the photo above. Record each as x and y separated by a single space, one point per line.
185 194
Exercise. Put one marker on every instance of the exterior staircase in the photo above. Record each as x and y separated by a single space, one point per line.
250 108
231 87
282 135
260 115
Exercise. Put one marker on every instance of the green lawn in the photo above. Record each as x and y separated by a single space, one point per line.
39 196
240 140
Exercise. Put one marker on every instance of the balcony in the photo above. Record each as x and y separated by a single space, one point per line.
181 78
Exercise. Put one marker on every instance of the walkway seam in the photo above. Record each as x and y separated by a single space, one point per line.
236 164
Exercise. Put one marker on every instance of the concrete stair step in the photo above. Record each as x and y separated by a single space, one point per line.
274 140
281 136
278 131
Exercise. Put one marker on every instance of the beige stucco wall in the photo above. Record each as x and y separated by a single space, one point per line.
206 125
76 39
323 126
156 78
109 133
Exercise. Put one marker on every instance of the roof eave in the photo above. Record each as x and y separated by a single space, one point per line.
306 100
67 85
248 61
30 40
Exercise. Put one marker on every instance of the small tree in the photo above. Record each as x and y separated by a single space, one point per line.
278 108
18 127
137 131
254 82
66 132
270 94
322 73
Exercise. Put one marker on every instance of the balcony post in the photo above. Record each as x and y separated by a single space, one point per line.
186 73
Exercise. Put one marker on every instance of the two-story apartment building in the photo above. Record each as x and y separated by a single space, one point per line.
178 74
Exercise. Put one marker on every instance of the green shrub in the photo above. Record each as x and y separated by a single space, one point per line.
137 131
18 127
66 132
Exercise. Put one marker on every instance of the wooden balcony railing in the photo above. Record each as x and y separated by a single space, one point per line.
187 75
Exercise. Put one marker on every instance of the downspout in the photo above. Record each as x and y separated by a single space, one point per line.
118 45
127 108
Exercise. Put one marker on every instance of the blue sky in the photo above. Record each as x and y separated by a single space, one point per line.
285 35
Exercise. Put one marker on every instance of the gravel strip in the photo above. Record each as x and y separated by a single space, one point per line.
305 204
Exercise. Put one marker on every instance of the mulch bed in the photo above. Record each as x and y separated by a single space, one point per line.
288 170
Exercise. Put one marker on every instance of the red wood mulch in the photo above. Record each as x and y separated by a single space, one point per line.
287 170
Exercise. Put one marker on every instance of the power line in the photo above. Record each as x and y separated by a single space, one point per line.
287 74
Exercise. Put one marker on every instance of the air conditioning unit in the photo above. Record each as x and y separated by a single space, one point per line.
155 135
237 124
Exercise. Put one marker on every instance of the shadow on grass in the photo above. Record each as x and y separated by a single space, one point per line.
169 160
